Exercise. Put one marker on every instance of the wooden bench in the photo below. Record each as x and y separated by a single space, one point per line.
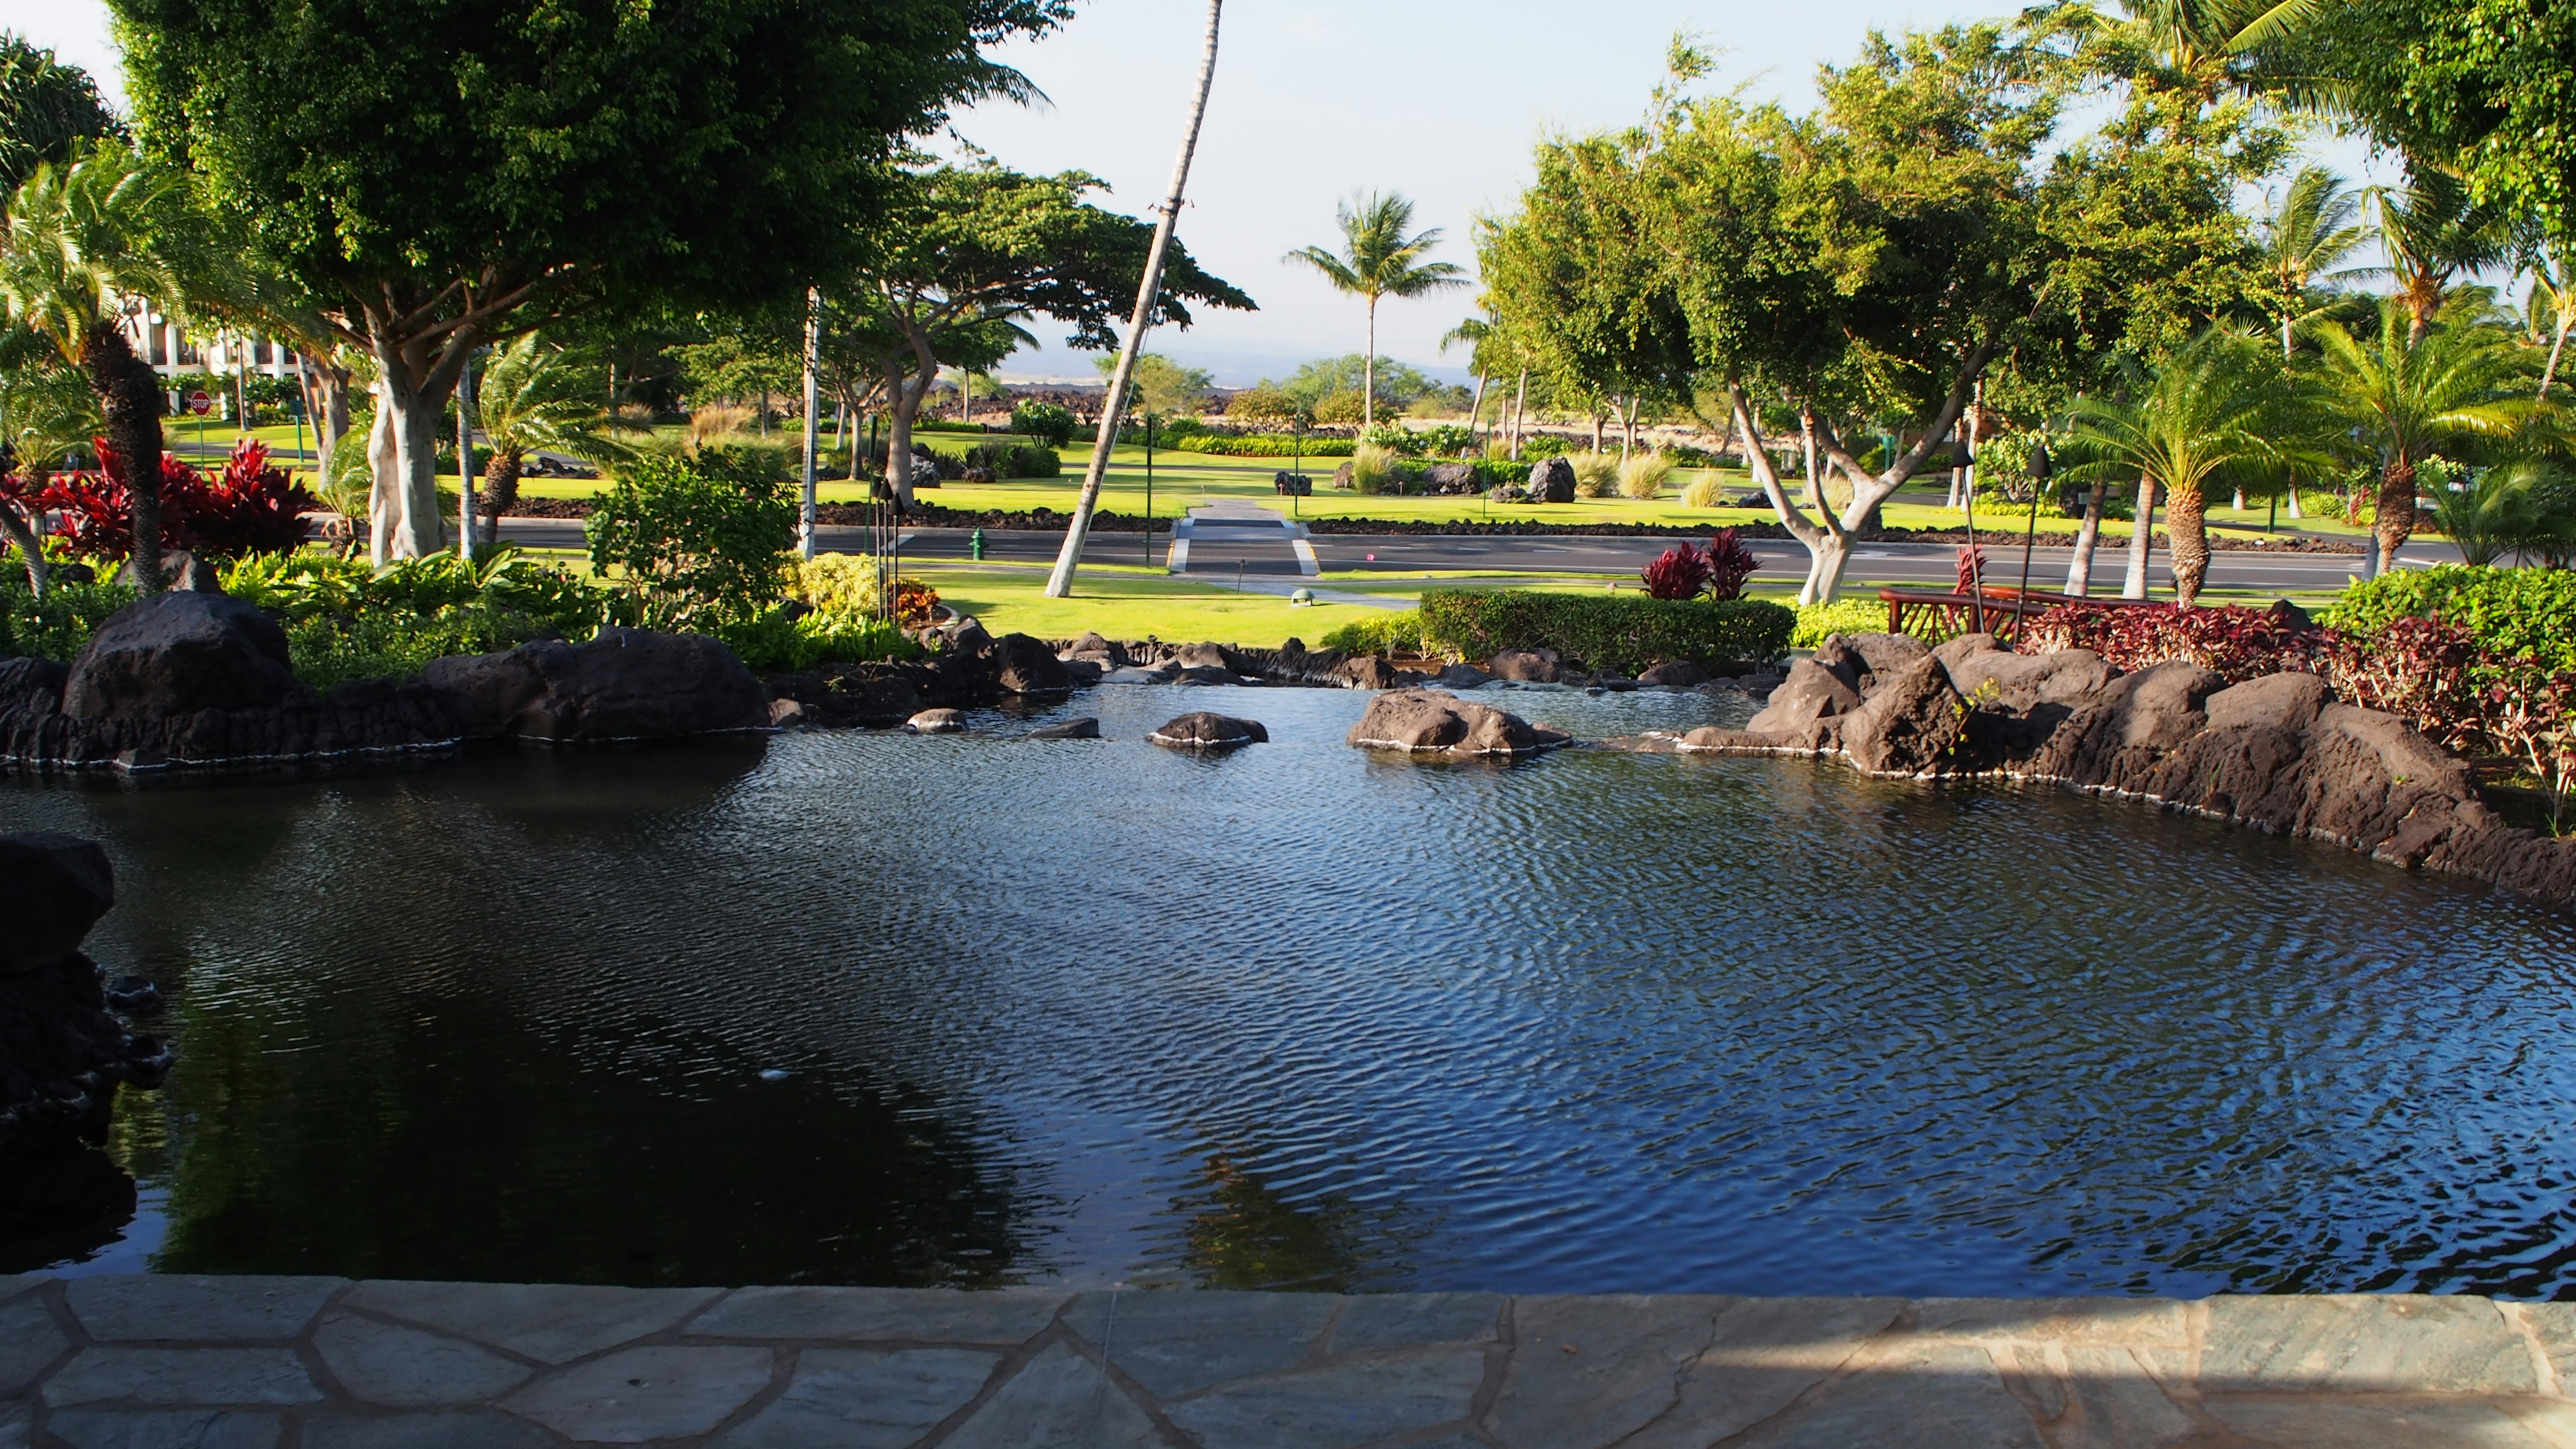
2001 609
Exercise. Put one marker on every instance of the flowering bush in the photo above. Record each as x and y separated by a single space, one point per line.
251 507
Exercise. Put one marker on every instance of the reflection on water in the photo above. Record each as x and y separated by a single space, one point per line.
875 1009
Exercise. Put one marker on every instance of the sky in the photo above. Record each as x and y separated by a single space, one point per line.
1313 103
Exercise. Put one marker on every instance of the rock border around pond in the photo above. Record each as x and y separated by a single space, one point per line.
2276 753
1421 722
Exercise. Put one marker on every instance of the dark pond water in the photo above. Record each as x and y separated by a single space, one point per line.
1303 1017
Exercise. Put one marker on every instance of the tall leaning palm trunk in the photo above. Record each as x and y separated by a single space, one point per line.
129 394
1123 378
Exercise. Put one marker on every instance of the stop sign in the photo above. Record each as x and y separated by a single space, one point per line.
199 403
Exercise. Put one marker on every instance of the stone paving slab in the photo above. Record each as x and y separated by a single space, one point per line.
268 1363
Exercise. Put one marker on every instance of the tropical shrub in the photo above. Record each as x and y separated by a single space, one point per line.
346 621
1261 403
697 540
1545 445
839 585
1381 633
1680 572
249 507
57 625
1643 476
1730 564
1447 440
1819 622
1627 632
1341 408
1049 424
1395 438
775 640
1016 460
1596 475
2509 612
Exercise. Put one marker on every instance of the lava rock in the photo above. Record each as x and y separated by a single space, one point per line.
1085 728
1810 696
1132 674
1674 674
937 722
53 888
1449 478
2275 701
131 993
1027 666
626 684
1420 722
1083 673
1911 724
785 714
1105 652
1886 654
1372 671
2023 682
1530 666
1199 730
1551 480
1462 676
179 654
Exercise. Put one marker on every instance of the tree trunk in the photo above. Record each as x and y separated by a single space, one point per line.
1476 415
129 394
2557 346
1628 424
1114 404
415 376
2396 521
2186 526
30 552
1597 423
1368 371
2290 488
1520 406
2079 569
500 491
2142 541
384 486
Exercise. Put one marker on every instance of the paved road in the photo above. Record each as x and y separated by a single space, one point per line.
330 1364
1221 553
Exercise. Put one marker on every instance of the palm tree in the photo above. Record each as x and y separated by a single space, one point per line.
1113 406
2211 408
1379 259
2313 230
82 242
2407 391
1473 332
2435 234
533 396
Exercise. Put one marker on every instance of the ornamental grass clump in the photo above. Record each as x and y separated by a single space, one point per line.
1375 469
1596 475
1643 477
1705 491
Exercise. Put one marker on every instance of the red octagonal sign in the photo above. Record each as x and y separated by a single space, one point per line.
199 403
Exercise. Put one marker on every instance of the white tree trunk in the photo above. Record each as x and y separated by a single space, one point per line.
407 468
1368 371
2142 541
1520 406
384 488
2079 569
1476 416
1114 406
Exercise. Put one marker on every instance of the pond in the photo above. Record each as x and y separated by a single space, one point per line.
866 1008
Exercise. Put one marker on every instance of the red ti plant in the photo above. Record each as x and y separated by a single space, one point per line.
1972 569
1679 573
250 507
1730 563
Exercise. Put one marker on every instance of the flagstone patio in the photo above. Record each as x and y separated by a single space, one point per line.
322 1363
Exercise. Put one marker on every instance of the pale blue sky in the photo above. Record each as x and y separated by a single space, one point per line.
1314 101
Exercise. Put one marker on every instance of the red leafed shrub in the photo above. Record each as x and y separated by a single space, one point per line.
2430 673
915 603
1686 571
250 507
1972 569
1679 573
2233 641
1730 563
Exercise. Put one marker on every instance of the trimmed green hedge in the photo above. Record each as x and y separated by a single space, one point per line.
1258 445
1623 631
2510 612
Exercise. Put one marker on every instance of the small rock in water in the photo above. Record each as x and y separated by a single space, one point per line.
131 993
1085 728
773 1074
1202 731
936 722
